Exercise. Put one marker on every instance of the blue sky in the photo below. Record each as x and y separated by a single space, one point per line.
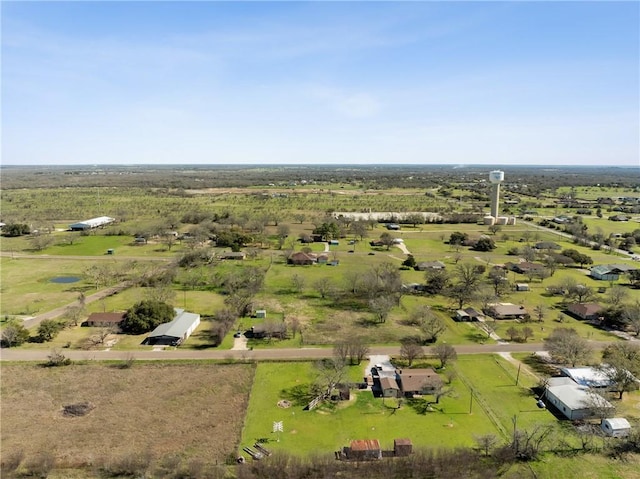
321 82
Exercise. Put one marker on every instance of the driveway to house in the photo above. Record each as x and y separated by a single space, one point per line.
56 313
240 343
403 248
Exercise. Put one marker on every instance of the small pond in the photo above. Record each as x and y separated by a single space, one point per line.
65 279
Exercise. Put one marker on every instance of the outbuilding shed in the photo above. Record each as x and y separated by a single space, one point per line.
616 427
364 450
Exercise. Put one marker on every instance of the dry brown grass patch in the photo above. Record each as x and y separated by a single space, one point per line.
153 410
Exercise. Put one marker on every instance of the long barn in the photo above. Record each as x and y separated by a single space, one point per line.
91 224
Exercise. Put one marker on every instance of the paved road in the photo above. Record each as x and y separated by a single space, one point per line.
18 354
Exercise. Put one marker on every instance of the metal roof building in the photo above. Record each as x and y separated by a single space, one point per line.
175 332
92 223
585 376
574 401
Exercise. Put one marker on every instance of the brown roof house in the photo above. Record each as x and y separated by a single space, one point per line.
587 311
418 381
302 258
507 311
364 450
104 320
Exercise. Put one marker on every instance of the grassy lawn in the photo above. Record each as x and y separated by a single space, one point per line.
326 429
585 466
493 379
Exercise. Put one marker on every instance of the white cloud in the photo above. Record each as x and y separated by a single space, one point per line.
348 104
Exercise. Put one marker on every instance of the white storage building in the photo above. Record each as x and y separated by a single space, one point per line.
174 332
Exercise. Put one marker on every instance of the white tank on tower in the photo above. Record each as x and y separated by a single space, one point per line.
495 177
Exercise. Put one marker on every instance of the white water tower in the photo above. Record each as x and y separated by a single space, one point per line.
495 177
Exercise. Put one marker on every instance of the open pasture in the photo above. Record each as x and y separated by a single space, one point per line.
193 411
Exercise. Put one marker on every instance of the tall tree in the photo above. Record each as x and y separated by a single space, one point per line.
145 316
467 279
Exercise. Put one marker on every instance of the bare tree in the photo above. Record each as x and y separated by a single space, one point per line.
359 229
486 442
499 281
617 295
329 373
324 286
162 292
352 281
528 254
445 353
381 307
580 292
283 231
358 350
514 333
294 326
622 366
631 317
566 347
527 445
341 351
539 312
298 282
73 313
411 350
431 324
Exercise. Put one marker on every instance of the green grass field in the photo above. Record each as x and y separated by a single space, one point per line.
363 417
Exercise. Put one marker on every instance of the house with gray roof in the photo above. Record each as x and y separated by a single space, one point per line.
176 331
575 402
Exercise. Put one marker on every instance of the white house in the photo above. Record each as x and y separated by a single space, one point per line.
574 401
616 427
